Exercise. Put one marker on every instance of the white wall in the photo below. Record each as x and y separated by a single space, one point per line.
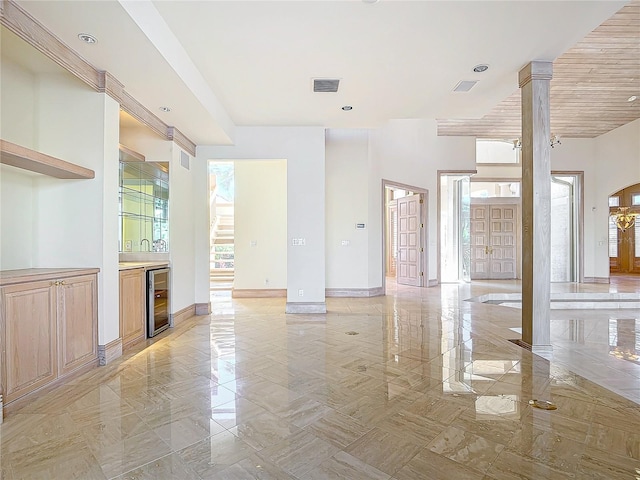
18 112
77 220
347 203
16 219
182 250
17 125
144 141
411 153
617 166
304 150
260 224
200 206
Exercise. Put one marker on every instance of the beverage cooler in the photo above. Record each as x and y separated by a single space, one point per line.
158 301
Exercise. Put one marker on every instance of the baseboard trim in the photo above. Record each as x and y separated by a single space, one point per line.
432 283
306 307
258 292
354 292
596 280
109 352
203 308
181 315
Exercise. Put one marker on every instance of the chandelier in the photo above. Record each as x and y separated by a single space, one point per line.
624 218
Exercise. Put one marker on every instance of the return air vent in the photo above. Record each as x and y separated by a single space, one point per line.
184 159
465 85
325 85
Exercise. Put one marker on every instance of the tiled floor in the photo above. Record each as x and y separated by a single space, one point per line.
428 387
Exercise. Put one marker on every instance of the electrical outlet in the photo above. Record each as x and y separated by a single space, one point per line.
345 243
127 246
301 293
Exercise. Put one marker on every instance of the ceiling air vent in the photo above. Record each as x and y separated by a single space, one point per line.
184 159
325 85
465 85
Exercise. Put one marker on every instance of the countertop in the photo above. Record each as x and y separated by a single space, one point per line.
145 265
8 277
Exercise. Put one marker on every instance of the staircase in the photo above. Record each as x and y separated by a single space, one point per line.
222 248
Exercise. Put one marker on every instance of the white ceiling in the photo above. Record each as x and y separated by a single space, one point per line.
220 63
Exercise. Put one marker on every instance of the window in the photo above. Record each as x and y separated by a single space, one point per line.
496 151
614 201
635 199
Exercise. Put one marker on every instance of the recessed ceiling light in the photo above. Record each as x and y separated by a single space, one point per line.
346 108
480 68
632 98
165 109
86 38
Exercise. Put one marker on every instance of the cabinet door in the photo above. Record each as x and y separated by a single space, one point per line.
77 322
29 337
132 308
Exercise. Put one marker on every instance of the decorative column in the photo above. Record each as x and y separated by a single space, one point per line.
536 207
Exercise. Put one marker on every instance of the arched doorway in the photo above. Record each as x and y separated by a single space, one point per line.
624 241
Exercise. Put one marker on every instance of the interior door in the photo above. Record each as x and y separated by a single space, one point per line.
410 250
493 241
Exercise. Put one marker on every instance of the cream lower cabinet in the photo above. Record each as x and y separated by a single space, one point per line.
132 307
49 329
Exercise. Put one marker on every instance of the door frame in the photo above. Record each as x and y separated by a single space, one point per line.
579 199
444 173
424 216
579 208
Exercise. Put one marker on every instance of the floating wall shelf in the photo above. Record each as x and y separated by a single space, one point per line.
27 159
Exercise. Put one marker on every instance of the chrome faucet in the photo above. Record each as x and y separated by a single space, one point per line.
148 244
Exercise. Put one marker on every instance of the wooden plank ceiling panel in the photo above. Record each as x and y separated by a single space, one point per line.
591 85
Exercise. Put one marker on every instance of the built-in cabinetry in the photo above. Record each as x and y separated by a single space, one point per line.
132 306
48 327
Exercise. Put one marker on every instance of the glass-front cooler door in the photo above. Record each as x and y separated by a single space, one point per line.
158 301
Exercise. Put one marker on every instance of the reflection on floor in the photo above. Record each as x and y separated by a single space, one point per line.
418 384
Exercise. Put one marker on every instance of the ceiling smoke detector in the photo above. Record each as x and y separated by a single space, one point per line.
165 109
87 38
326 85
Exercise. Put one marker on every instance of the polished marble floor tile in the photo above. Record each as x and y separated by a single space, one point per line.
429 388
386 451
299 453
427 464
169 467
466 448
343 466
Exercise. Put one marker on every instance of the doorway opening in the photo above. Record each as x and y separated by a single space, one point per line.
454 227
222 225
405 237
566 225
624 239
480 222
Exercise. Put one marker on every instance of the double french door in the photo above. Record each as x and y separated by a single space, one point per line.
494 241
